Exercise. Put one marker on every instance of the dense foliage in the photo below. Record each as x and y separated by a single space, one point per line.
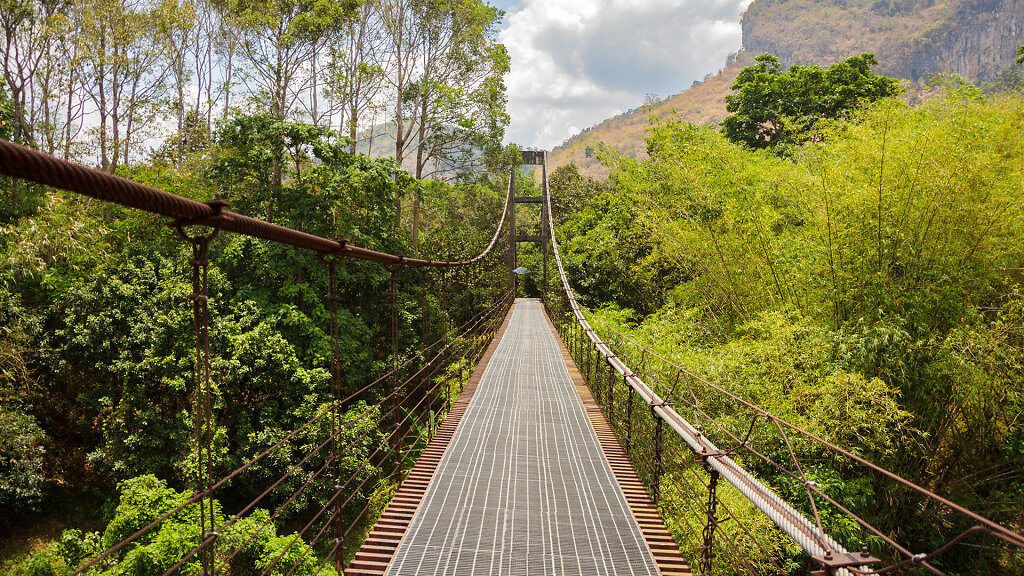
867 288
776 108
262 104
97 351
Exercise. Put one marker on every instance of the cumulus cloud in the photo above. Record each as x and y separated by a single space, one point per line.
577 62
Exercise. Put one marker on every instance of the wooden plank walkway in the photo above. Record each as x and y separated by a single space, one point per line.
527 478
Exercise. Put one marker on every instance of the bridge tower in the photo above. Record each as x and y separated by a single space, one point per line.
535 158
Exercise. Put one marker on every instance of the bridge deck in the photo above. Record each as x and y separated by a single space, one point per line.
524 486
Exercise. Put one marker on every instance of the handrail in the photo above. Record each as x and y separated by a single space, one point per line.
787 518
25 163
809 536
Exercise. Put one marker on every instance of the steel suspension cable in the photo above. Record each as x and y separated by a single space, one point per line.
25 163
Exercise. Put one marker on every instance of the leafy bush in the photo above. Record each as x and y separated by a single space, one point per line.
22 477
867 289
145 499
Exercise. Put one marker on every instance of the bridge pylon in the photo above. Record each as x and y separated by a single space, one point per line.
535 158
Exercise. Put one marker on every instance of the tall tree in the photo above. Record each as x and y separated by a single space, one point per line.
457 56
124 71
777 109
459 95
399 20
38 66
356 72
463 123
444 70
175 27
278 39
23 26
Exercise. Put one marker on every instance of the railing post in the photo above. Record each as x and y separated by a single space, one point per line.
336 389
658 462
447 378
707 552
610 401
629 419
571 330
579 340
588 358
443 300
395 378
423 302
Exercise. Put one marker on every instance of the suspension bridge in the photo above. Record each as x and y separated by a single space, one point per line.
518 440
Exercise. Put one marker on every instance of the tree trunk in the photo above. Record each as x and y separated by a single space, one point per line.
179 72
353 126
399 130
420 161
104 159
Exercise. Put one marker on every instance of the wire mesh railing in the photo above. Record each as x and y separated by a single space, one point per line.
739 487
320 487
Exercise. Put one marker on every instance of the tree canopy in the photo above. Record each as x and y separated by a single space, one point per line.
775 108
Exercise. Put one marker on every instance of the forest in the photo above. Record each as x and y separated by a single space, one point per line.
864 285
263 105
863 282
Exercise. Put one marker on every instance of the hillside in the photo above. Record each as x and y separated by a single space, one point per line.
702 104
911 38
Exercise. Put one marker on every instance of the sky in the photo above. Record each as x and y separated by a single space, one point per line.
577 62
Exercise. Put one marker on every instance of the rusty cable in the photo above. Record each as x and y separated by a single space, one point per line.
707 548
203 411
25 163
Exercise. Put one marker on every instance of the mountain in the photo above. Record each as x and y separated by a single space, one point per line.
912 39
703 103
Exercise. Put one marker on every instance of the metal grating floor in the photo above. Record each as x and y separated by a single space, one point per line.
524 487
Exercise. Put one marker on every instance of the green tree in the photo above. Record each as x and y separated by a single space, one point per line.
280 39
457 56
355 73
21 462
146 498
571 191
777 109
125 74
878 269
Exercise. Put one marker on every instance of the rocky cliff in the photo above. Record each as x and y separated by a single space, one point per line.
912 38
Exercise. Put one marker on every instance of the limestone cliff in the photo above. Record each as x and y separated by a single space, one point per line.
911 38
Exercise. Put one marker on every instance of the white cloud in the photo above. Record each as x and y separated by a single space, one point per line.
578 62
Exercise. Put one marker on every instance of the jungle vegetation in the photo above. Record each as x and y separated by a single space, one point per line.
263 104
867 287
